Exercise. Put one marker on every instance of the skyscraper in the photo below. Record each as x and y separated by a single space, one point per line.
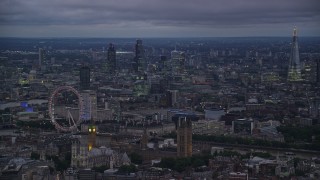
139 59
178 61
294 70
112 66
163 63
89 105
41 57
85 78
184 137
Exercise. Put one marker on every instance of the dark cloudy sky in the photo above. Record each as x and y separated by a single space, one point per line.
158 18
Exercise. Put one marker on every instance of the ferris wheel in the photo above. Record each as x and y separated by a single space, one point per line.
70 124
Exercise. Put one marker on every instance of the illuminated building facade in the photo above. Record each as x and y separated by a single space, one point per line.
294 71
92 130
84 156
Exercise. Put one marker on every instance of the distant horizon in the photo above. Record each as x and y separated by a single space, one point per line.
158 18
155 37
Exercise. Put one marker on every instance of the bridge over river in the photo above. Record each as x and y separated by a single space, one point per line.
243 149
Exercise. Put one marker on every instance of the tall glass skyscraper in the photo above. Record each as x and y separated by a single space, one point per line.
139 59
42 58
294 70
112 65
84 78
178 59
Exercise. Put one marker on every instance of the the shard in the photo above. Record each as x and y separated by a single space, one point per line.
294 71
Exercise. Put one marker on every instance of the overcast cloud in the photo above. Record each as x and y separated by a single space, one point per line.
158 18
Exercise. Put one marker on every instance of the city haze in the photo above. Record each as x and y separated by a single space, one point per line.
154 18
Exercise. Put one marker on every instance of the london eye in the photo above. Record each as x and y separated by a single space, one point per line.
61 102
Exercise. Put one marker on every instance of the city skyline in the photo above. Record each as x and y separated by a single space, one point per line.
154 18
160 108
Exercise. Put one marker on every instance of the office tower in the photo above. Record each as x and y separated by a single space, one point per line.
294 70
84 78
90 108
171 96
184 137
163 63
178 61
42 57
112 66
139 59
